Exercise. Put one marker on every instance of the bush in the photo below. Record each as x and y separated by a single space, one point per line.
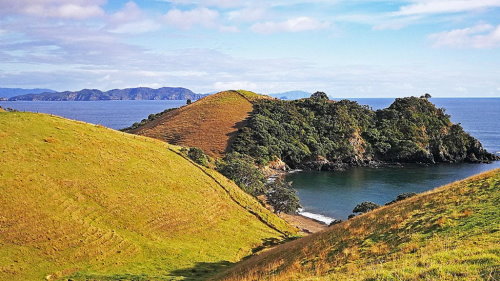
365 207
198 156
402 196
319 96
242 170
282 197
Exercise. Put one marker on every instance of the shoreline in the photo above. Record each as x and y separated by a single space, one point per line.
307 222
304 224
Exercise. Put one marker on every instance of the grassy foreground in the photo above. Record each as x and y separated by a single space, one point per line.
85 202
450 233
209 123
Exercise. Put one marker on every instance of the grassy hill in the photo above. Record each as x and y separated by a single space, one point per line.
209 123
86 202
450 233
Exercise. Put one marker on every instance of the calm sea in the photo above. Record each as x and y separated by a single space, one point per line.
113 114
330 194
327 195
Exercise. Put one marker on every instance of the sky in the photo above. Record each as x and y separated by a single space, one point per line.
346 48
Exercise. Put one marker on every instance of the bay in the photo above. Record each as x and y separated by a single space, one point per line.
329 195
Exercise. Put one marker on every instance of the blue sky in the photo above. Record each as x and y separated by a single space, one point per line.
347 48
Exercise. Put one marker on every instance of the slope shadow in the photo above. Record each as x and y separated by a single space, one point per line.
231 136
201 270
206 270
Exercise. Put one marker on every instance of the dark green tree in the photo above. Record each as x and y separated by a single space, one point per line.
282 197
242 170
320 96
198 156
188 102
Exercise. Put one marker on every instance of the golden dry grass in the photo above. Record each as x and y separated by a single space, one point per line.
89 202
209 123
450 233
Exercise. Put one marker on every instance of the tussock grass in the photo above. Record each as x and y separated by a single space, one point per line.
90 203
450 233
209 123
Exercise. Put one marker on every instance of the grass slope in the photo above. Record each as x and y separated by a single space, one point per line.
88 202
209 123
450 233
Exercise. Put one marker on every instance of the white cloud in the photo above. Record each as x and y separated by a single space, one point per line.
129 12
445 6
135 27
70 9
131 19
186 19
235 85
292 25
203 17
249 14
478 36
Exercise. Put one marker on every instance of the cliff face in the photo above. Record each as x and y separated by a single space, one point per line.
325 135
142 93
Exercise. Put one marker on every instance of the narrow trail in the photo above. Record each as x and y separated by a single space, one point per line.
231 196
242 95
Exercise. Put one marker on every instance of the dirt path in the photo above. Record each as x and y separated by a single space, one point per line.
306 225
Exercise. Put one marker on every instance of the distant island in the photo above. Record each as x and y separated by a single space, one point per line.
291 95
6 93
140 93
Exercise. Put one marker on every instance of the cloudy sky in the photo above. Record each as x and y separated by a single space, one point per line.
347 48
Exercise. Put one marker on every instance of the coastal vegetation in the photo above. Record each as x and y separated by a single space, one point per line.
83 202
449 233
241 168
317 133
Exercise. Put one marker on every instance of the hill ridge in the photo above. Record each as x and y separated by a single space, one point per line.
99 204
209 123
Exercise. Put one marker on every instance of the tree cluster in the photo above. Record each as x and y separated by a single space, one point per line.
246 174
411 130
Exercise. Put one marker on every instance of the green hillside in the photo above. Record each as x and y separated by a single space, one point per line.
82 201
450 233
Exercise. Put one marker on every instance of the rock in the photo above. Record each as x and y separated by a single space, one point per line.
278 164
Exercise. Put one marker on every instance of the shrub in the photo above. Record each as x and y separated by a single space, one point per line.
319 96
402 196
242 170
198 156
282 197
365 207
